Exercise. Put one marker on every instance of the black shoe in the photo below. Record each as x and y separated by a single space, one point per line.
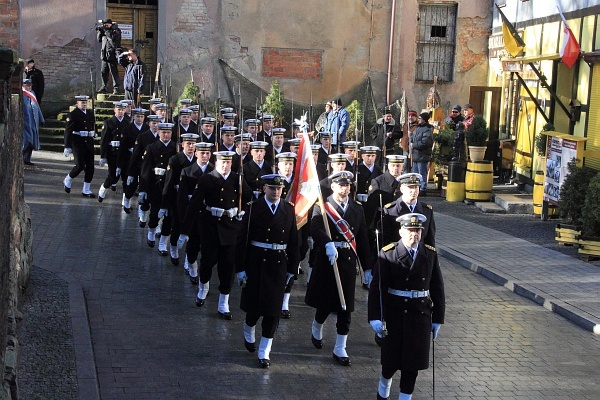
345 361
142 224
381 398
199 302
194 280
163 253
100 199
151 243
102 90
116 90
28 163
68 190
317 343
365 286
174 261
285 314
378 340
300 271
251 347
226 315
89 195
264 363
127 210
113 188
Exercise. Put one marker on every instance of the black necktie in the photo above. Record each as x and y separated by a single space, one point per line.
273 207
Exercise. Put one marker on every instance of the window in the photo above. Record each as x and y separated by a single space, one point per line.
436 42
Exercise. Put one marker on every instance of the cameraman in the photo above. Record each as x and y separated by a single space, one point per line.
135 71
109 35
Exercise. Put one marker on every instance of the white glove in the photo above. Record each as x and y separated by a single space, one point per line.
118 171
362 197
163 212
242 278
102 162
311 242
240 215
142 196
68 151
130 180
435 328
181 241
189 196
232 212
256 193
368 276
216 212
131 149
288 278
331 252
377 326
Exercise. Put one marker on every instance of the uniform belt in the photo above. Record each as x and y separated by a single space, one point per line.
342 245
411 294
85 133
270 246
209 209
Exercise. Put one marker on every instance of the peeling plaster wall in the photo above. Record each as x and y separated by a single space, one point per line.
61 38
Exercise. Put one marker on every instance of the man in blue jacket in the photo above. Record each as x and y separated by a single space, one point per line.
338 121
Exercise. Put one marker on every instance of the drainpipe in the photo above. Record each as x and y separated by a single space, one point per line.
390 52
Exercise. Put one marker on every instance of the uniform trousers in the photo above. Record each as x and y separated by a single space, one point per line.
112 177
224 257
155 200
407 379
343 320
269 324
83 155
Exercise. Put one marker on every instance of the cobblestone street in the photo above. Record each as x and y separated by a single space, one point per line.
150 341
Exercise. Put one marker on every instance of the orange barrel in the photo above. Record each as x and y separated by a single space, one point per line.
479 181
455 187
538 192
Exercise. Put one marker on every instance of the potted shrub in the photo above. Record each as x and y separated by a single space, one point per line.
442 152
477 136
570 202
589 241
541 140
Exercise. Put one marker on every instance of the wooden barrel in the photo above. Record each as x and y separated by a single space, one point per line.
538 192
455 191
479 181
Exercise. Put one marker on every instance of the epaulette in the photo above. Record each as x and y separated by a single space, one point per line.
389 205
388 247
430 247
358 202
429 206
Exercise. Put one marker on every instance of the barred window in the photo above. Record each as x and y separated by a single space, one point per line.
436 42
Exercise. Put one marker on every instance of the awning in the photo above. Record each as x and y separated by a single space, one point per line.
528 59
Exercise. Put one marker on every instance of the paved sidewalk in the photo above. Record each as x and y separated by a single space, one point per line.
560 283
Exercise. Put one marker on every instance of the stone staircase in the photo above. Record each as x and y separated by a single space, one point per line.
52 134
507 199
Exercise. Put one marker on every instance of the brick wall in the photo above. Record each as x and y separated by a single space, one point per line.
472 34
292 63
192 16
9 24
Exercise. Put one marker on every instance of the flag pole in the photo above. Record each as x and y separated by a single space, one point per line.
336 271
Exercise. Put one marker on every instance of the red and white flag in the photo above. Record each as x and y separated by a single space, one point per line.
570 50
305 187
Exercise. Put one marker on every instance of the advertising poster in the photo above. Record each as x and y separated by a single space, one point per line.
559 153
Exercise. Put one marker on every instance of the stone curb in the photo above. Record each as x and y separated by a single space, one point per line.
549 302
87 379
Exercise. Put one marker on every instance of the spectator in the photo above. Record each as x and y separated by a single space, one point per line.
338 121
32 119
421 146
37 79
469 115
109 35
135 71
454 117
386 134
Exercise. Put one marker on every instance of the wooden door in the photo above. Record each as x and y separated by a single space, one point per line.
139 30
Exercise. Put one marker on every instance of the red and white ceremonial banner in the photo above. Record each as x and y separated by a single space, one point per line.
570 50
305 187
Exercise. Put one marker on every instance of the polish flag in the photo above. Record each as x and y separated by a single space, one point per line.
305 187
570 50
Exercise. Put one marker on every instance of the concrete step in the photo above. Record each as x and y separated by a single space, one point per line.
489 207
515 203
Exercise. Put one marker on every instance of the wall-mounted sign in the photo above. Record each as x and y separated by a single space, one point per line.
126 31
